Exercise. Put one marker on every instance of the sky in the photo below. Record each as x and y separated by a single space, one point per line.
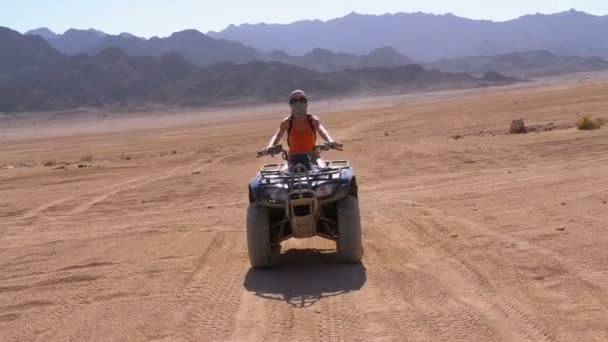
148 18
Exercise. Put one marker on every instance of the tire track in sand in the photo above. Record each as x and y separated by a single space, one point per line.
309 296
329 318
412 298
90 292
514 303
114 189
206 307
417 304
452 268
32 213
338 319
526 327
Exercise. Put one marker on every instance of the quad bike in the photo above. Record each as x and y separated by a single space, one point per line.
301 199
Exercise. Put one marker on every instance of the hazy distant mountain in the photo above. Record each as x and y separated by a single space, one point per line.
201 49
129 35
325 61
195 46
518 64
521 64
431 37
72 41
18 52
34 76
44 33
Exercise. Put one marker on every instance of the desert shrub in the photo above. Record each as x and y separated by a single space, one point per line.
86 159
587 123
517 126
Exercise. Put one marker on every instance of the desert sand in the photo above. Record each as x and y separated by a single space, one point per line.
135 228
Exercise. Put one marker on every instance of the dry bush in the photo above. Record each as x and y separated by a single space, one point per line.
48 163
586 123
518 126
87 159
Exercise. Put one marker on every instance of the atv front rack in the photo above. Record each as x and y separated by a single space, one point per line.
273 177
276 173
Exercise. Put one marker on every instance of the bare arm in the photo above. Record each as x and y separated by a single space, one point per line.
321 130
275 138
278 134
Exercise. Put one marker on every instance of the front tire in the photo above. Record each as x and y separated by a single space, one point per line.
349 243
261 252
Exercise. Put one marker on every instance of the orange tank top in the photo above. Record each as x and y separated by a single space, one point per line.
301 137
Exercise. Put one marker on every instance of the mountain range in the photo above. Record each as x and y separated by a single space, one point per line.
43 70
35 76
203 50
326 61
429 37
19 53
195 46
525 64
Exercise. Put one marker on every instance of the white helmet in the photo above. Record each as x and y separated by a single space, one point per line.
297 93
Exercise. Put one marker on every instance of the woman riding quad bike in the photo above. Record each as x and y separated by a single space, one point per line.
305 198
301 128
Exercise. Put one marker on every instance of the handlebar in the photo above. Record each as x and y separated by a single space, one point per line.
328 146
278 149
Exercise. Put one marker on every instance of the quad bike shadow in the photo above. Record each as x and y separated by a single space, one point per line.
304 277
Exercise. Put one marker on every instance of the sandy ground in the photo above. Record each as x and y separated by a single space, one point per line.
483 238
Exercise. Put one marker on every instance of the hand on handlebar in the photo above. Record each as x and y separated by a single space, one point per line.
329 146
271 150
335 145
263 152
278 149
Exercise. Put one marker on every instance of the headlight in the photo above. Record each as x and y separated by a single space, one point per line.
276 194
325 190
